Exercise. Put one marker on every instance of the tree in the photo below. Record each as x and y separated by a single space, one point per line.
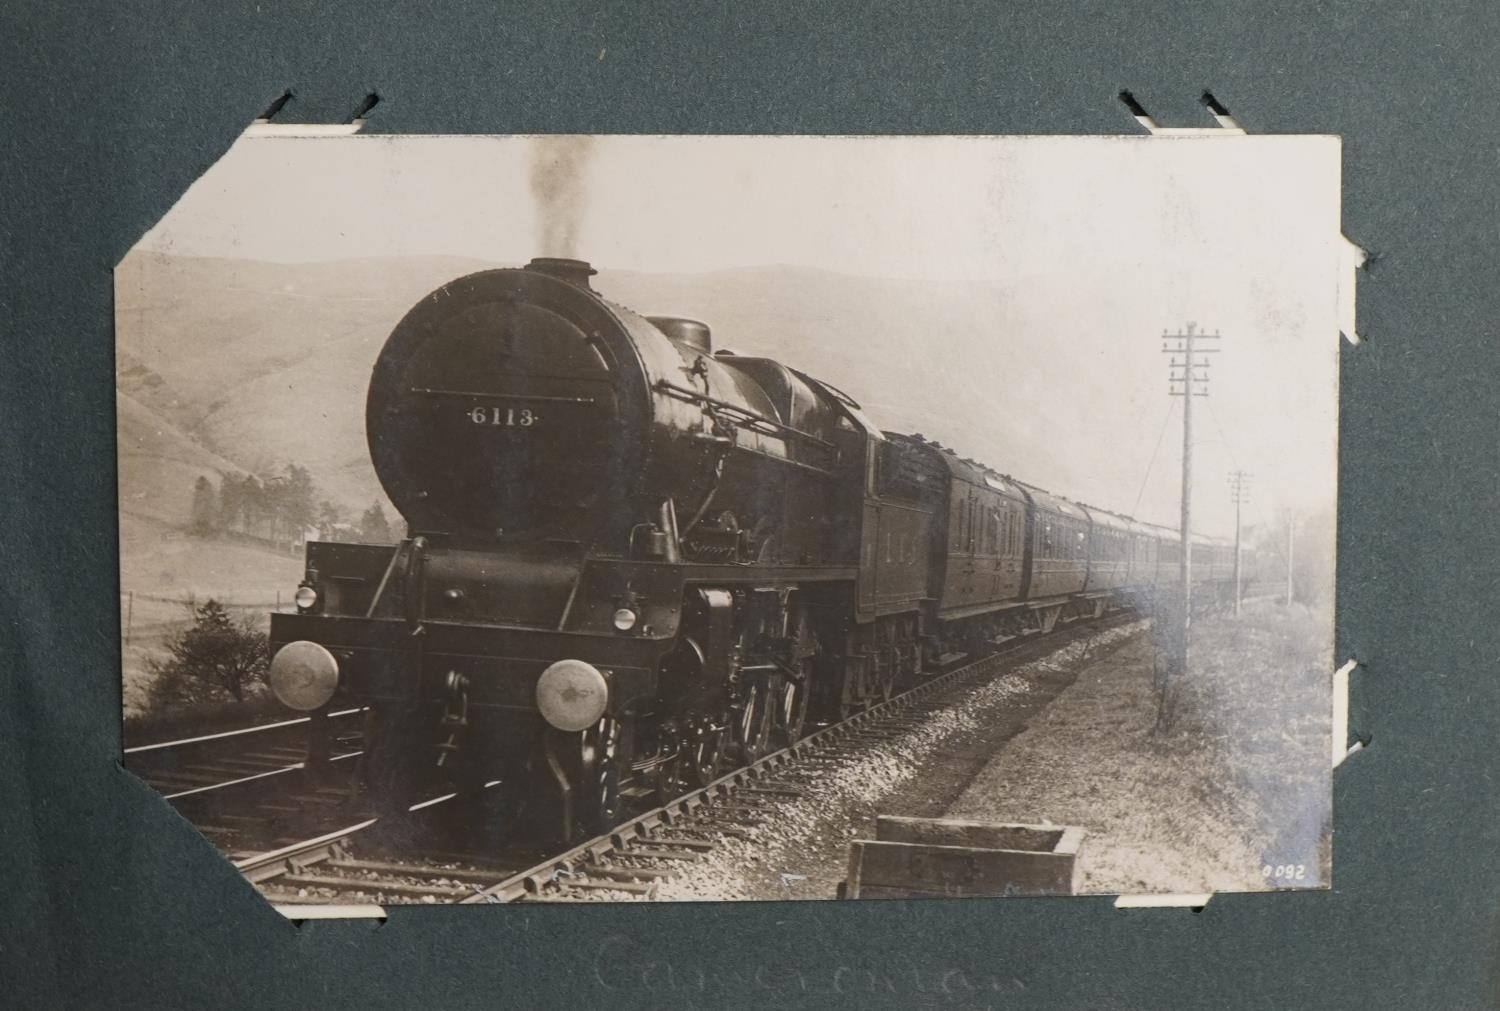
205 513
298 497
288 503
329 517
231 502
373 527
213 659
252 500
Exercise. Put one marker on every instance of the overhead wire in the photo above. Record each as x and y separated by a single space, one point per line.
1171 407
1222 437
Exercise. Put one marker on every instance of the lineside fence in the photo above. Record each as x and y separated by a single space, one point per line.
152 613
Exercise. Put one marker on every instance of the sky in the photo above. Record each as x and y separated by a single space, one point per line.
1103 243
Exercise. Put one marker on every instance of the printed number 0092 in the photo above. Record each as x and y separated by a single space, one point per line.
1285 872
508 417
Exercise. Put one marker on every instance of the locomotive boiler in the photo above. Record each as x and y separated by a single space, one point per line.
626 554
631 559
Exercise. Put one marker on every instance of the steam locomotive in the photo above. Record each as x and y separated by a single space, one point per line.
631 559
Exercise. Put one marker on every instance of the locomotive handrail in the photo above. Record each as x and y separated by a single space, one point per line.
386 579
754 421
540 398
838 394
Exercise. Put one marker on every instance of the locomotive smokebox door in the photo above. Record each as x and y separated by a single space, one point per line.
508 405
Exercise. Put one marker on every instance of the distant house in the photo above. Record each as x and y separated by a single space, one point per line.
346 533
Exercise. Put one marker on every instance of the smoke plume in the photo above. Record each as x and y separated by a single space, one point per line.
557 182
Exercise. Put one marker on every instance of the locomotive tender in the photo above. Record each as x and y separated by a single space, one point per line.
631 559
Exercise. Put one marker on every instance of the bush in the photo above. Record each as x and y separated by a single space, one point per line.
213 660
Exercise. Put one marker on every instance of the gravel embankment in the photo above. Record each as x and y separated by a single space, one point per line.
801 852
1239 780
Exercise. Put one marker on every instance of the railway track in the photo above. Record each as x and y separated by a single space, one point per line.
325 869
241 787
630 862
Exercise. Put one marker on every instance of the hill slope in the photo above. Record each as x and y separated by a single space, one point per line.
261 364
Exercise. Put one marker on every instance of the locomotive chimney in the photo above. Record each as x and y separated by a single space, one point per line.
573 271
694 333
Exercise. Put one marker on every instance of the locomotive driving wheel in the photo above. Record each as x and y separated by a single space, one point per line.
753 725
790 719
601 780
669 777
705 754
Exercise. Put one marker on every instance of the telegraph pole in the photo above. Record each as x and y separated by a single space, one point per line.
1187 378
1239 491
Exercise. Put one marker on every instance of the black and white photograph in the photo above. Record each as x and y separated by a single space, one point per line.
708 518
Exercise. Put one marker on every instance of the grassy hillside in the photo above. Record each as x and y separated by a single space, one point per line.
159 464
266 363
164 569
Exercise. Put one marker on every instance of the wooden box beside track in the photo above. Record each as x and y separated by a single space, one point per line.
936 857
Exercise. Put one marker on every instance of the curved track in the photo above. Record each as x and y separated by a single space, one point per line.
629 862
239 787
